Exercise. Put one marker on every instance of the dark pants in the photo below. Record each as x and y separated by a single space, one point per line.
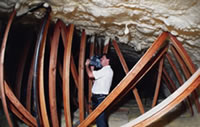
101 120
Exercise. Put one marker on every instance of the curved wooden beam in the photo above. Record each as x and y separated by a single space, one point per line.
125 82
66 76
29 87
183 53
19 115
185 57
2 55
81 76
180 80
171 82
52 75
169 103
36 71
167 84
180 62
186 74
125 67
42 101
145 70
18 108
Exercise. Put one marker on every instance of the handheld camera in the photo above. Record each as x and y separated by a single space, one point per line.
95 61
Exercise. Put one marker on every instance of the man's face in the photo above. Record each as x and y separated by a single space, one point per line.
104 60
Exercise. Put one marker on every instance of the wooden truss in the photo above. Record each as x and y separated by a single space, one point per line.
166 49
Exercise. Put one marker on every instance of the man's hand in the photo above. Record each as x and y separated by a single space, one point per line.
89 70
87 62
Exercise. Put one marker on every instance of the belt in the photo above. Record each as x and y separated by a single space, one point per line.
99 95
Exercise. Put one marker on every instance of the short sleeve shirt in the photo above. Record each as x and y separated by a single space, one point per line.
103 80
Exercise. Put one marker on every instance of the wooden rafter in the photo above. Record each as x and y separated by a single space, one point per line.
81 76
168 104
66 76
158 82
52 75
125 67
2 53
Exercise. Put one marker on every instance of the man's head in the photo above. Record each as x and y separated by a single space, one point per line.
105 60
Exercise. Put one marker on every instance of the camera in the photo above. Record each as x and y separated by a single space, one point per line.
95 61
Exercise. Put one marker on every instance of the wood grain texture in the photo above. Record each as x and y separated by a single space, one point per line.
66 76
2 55
168 104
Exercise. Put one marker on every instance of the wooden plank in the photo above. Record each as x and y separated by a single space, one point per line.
125 82
66 76
158 82
180 62
2 55
171 82
72 63
81 76
187 75
168 104
174 69
36 100
183 53
125 67
42 100
121 58
18 107
52 74
188 62
29 87
167 84
19 115
147 68
74 72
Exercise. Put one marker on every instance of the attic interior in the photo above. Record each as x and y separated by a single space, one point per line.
20 48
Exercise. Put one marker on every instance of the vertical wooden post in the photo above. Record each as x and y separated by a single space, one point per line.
81 76
36 80
42 100
52 74
66 76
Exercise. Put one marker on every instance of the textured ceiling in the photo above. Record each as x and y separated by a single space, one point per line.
134 22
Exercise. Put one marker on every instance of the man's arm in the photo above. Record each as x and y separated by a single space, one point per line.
88 69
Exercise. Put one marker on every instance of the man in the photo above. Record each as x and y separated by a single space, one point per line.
101 87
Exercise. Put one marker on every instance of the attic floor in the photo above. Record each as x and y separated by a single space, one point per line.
178 117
